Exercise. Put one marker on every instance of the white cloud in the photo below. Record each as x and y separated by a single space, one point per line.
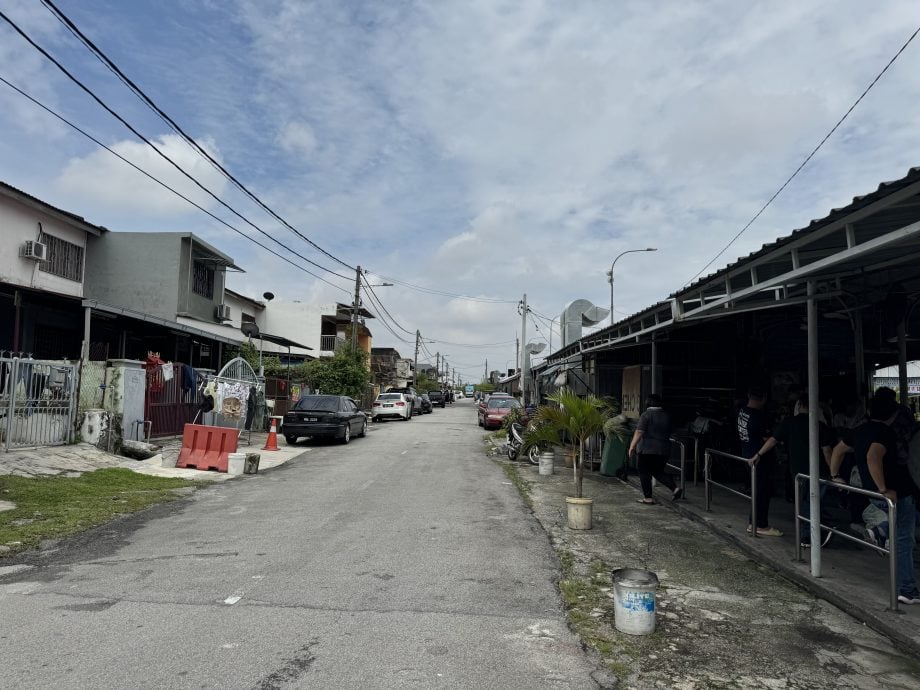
101 178
297 137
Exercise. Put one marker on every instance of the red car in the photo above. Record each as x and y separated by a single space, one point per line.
494 411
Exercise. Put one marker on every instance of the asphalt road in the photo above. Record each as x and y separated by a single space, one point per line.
404 559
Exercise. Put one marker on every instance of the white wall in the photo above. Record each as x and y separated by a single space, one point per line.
19 223
297 320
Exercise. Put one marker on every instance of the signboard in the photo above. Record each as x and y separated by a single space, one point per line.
632 391
295 391
403 367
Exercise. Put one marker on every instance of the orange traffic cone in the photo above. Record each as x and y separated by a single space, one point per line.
271 443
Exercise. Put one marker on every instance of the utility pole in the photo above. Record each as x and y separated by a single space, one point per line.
517 353
354 310
485 374
418 339
437 364
524 368
443 375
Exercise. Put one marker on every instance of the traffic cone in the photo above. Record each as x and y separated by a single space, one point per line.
271 443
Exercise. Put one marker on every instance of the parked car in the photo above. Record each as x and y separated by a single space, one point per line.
427 405
459 395
492 415
411 395
437 398
324 416
484 400
395 405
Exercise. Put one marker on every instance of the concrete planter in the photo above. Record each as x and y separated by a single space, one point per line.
579 512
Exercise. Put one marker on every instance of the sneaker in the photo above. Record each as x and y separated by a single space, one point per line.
871 535
805 544
909 598
768 532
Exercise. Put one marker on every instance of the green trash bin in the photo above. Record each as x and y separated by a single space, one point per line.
613 461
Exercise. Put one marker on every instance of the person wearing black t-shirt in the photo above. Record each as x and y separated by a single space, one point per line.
874 445
753 430
792 432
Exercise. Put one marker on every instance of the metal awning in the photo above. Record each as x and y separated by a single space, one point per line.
150 318
282 341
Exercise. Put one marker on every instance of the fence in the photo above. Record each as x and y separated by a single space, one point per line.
891 551
171 404
682 468
37 402
709 483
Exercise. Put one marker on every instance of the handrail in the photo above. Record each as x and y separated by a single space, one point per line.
708 484
892 550
683 461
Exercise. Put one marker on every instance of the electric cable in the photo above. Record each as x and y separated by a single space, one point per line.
102 57
444 293
380 304
163 184
809 157
134 131
383 321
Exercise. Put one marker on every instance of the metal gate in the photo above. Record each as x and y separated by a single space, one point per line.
37 402
171 403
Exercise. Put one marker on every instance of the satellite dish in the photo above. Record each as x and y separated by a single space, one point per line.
250 329
268 296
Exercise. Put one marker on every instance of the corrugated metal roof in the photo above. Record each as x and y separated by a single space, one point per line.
884 189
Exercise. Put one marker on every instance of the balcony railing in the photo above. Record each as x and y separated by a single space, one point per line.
330 343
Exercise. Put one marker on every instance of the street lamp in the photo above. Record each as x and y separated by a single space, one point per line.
610 274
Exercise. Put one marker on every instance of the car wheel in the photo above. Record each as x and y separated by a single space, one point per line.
291 439
346 437
364 428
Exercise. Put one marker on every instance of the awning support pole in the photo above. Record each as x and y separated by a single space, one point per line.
902 361
814 450
654 365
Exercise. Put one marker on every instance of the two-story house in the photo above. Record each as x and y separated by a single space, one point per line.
43 252
323 327
158 291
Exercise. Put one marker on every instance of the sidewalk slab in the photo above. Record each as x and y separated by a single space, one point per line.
73 460
724 619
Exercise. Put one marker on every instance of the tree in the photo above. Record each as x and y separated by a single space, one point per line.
346 373
426 384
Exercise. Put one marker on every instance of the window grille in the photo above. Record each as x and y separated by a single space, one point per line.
65 259
203 280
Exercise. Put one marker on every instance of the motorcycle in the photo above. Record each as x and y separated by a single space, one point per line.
516 442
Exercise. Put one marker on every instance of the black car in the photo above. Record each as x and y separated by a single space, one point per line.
324 416
437 398
426 403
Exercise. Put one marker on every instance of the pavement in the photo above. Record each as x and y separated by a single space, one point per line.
728 617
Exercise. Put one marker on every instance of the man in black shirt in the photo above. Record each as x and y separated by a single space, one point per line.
875 447
753 430
792 432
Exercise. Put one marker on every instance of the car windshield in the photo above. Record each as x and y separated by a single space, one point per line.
325 403
389 396
503 403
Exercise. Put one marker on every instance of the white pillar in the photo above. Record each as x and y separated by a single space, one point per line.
814 449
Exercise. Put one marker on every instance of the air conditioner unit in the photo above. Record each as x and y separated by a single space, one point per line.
34 250
222 312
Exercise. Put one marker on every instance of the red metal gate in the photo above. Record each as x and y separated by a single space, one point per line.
173 403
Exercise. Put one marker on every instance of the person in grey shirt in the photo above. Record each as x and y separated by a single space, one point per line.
652 440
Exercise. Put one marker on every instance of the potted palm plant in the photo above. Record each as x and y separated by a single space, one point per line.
578 419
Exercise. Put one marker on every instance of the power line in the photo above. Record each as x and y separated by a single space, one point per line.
380 304
161 183
444 293
102 57
134 131
376 303
809 157
473 345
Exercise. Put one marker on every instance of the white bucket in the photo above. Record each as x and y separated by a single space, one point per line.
236 463
634 600
547 459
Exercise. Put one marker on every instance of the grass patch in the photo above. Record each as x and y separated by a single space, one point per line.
589 610
51 507
523 486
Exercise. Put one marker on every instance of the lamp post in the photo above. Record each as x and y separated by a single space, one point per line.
610 274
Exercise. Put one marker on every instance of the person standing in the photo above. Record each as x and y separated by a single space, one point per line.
792 433
875 447
652 441
753 431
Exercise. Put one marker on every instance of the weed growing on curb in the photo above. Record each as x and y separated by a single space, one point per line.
523 486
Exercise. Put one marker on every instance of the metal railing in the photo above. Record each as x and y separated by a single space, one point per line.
709 483
37 402
891 551
330 343
683 462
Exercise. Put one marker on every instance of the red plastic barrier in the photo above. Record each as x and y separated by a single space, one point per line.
207 447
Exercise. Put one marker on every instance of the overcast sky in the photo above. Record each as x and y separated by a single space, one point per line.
473 147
